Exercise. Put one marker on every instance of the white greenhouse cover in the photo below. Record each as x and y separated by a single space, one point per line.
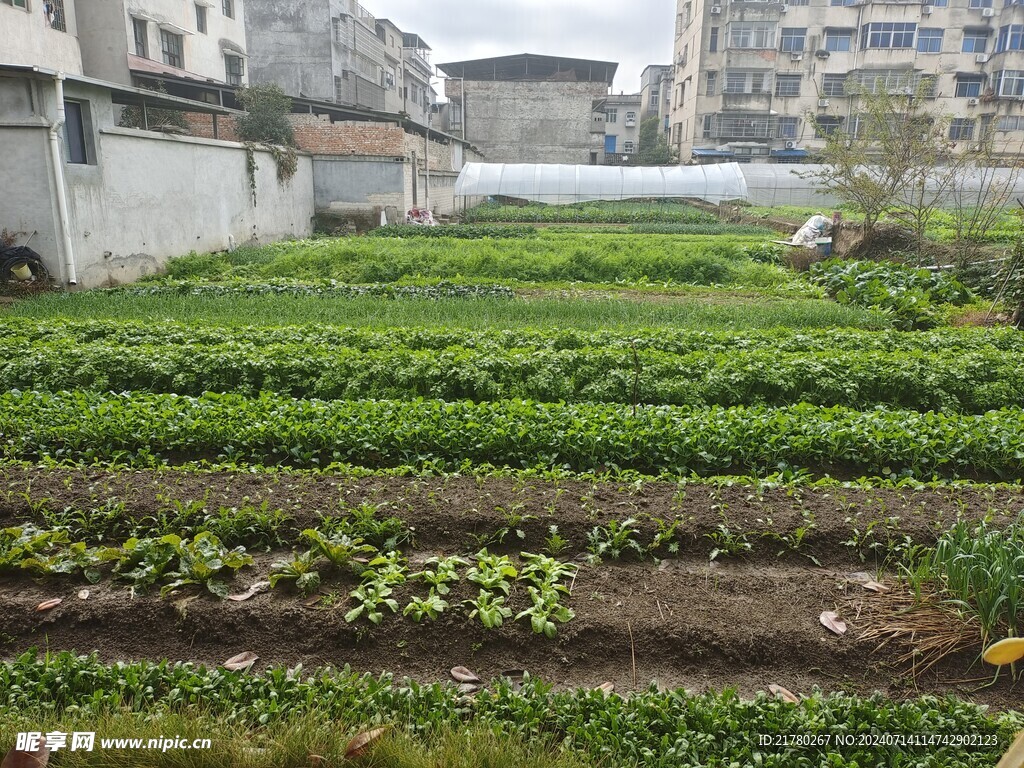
562 184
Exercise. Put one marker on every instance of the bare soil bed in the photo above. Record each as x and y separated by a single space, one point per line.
743 622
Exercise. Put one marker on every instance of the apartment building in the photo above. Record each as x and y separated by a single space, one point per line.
37 33
656 93
336 50
200 40
615 129
753 78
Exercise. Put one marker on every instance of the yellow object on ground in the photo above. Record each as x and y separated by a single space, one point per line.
1005 651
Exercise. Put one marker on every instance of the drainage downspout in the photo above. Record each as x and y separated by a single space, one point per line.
58 180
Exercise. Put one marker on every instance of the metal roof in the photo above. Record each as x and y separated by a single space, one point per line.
532 66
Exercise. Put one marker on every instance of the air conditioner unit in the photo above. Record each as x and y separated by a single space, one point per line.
981 58
988 13
796 57
972 102
790 145
975 147
715 10
784 8
926 10
822 103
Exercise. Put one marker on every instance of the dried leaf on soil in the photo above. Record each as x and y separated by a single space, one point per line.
464 675
17 758
48 604
606 688
259 586
831 621
83 594
361 742
786 694
240 661
874 586
469 687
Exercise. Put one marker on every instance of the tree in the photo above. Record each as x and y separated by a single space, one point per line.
654 148
890 160
266 119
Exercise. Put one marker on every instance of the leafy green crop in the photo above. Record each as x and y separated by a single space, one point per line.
300 570
458 231
490 608
592 212
202 560
148 430
493 573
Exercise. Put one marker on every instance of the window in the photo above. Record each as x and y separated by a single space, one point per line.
713 40
841 2
707 128
838 40
894 81
686 54
339 29
229 8
1011 38
53 12
961 129
833 85
235 67
975 41
711 83
787 85
888 34
76 148
801 2
752 34
141 29
679 24
628 147
654 100
687 14
18 3
825 126
788 127
969 86
940 3
630 117
201 19
1009 82
929 40
1010 123
979 4
171 45
793 39
611 115
738 81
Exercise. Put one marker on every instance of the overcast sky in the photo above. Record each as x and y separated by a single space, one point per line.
633 33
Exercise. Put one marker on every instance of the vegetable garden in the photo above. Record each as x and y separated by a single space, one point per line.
515 497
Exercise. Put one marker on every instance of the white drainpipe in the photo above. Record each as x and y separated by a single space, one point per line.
58 179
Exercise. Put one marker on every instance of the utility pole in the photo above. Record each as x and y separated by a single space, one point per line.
426 158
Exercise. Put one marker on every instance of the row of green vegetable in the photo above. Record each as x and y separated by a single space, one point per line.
694 259
22 335
651 728
972 381
480 231
153 429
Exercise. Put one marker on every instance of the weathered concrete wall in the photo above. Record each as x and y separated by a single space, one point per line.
346 184
290 44
25 39
155 196
531 122
104 40
26 204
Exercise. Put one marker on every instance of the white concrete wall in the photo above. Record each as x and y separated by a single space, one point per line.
154 196
26 39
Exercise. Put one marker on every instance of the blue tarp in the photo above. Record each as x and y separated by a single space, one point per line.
713 152
790 153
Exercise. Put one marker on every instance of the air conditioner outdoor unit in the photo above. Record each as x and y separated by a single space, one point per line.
790 145
926 10
822 102
715 10
975 148
981 58
988 13
784 8
972 102
796 57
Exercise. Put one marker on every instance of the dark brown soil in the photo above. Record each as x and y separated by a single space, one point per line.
739 621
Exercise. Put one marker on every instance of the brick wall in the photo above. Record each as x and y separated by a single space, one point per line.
318 135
